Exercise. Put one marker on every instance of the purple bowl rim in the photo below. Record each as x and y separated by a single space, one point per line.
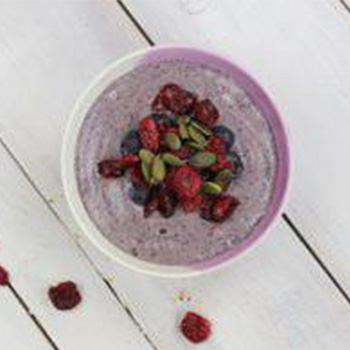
270 112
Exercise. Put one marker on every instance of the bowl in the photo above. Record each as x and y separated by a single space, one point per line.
257 96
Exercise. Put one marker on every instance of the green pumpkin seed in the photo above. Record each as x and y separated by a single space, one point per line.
196 135
211 188
203 160
173 141
182 119
224 179
196 146
146 156
204 130
146 171
183 131
158 170
172 159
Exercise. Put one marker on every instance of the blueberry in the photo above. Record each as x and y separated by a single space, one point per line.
139 195
130 143
238 166
226 134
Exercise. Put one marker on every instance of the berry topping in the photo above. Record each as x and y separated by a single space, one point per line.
226 134
206 113
149 134
65 296
216 145
223 207
186 182
167 203
110 168
191 205
131 143
195 328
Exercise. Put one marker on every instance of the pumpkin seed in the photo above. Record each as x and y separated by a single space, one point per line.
173 141
172 159
158 170
146 156
204 130
203 159
146 171
196 146
224 179
211 188
182 119
196 135
183 131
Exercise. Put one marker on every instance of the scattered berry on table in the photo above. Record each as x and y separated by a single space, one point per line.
65 296
4 277
195 327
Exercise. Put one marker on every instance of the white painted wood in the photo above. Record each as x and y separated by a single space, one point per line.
300 52
276 297
38 253
17 331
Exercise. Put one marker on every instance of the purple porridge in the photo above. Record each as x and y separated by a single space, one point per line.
182 239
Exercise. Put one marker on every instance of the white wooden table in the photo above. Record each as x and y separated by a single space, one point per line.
291 292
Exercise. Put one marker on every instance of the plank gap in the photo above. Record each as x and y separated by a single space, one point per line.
137 24
314 254
345 5
34 319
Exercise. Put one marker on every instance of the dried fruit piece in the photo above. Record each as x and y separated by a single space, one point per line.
186 182
146 156
173 141
190 205
166 203
65 296
136 176
211 188
206 208
224 207
149 134
203 160
151 204
206 113
196 135
4 277
127 161
224 179
109 168
185 152
195 328
158 171
138 194
217 145
222 162
173 98
171 159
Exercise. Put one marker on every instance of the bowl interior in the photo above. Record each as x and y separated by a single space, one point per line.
106 112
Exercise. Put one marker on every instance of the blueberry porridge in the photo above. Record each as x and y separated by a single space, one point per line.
175 164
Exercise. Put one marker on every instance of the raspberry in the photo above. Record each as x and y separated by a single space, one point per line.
166 203
149 134
195 328
4 277
192 204
216 145
110 168
224 207
131 143
65 296
186 182
206 113
174 99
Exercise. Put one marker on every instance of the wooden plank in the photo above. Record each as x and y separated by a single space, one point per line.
300 52
15 321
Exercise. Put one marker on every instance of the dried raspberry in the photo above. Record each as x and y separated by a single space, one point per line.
222 162
149 134
4 277
136 176
166 203
186 182
152 203
224 207
216 145
206 208
170 178
65 296
206 113
191 205
127 161
173 98
195 328
110 168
